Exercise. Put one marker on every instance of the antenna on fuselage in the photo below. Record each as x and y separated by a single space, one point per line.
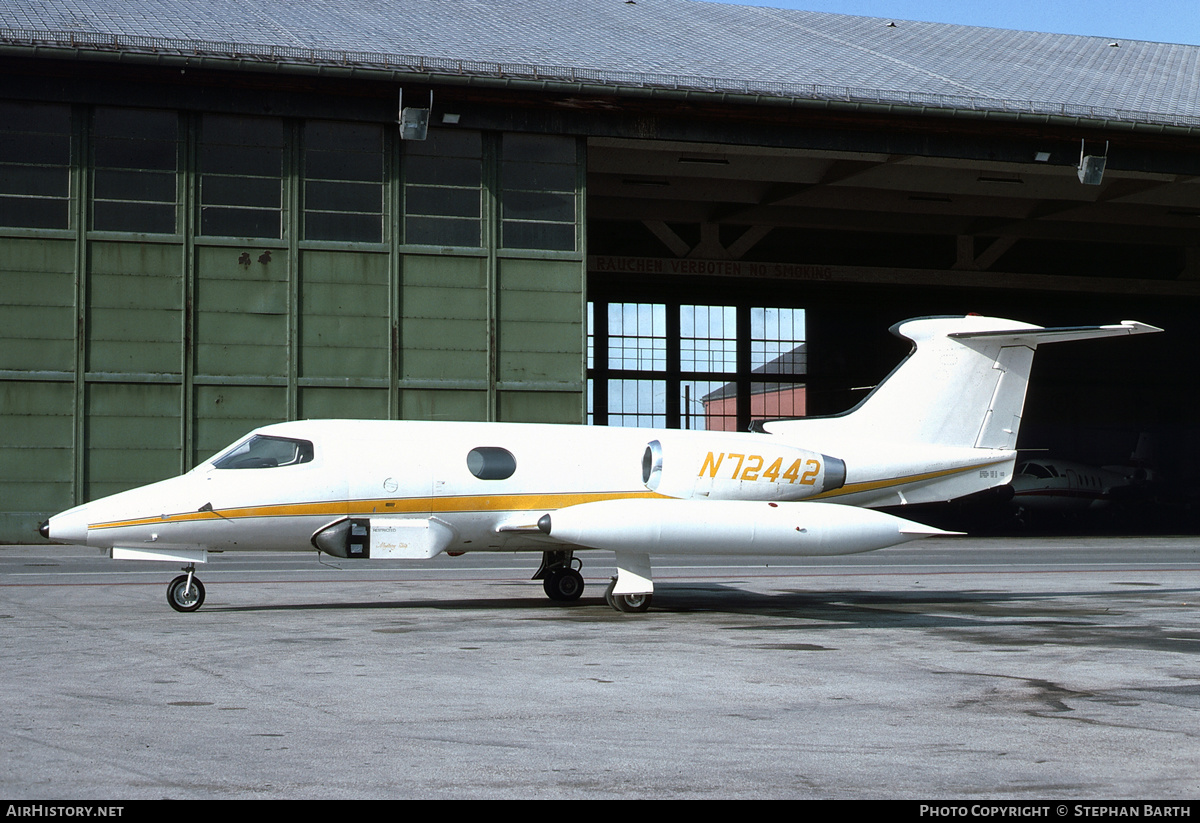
207 508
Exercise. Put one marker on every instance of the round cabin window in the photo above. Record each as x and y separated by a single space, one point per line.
491 463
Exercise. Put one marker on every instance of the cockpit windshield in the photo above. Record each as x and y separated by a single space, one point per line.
1037 470
263 452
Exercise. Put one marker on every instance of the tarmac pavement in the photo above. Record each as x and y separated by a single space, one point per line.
997 669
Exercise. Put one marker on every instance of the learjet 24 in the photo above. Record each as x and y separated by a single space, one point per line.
942 426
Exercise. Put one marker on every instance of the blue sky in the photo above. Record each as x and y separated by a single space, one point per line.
1164 21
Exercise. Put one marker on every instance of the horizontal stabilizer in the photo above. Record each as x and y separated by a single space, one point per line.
1061 334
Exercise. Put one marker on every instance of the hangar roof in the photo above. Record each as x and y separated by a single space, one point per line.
647 47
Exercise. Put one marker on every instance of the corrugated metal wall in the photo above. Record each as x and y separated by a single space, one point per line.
171 280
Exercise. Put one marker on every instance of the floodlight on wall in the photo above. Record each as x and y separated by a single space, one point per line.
1091 166
414 122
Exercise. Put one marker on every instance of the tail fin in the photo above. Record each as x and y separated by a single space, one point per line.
963 384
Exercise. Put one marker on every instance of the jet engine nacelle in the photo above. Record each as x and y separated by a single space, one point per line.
726 468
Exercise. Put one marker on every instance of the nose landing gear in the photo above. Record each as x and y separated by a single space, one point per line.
186 593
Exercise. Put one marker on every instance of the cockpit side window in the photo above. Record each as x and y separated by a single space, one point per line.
264 452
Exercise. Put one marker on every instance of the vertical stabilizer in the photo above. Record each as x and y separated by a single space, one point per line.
951 391
963 385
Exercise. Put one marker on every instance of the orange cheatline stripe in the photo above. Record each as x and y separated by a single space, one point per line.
408 505
874 485
477 503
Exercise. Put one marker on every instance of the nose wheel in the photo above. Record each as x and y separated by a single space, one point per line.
186 593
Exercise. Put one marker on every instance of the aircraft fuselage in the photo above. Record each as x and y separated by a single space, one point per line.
413 469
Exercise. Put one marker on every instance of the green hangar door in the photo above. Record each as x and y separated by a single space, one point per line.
174 279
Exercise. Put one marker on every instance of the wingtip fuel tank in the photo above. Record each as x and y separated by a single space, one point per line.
730 527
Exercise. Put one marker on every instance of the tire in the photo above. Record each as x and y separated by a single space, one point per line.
189 602
563 585
631 602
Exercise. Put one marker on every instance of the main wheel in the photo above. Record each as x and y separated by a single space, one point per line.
563 585
183 599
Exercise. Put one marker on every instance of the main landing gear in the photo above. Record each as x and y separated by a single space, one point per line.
562 581
186 593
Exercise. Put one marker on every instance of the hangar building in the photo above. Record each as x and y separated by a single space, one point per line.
216 214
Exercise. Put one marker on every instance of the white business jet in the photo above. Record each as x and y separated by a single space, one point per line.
943 425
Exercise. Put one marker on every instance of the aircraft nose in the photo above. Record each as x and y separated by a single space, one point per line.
68 527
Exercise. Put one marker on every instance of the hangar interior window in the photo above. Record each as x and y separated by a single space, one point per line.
241 176
777 349
343 182
636 356
693 366
538 179
443 189
637 336
35 165
708 366
135 157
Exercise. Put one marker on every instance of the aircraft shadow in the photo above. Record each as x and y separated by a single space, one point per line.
686 597
845 608
993 619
